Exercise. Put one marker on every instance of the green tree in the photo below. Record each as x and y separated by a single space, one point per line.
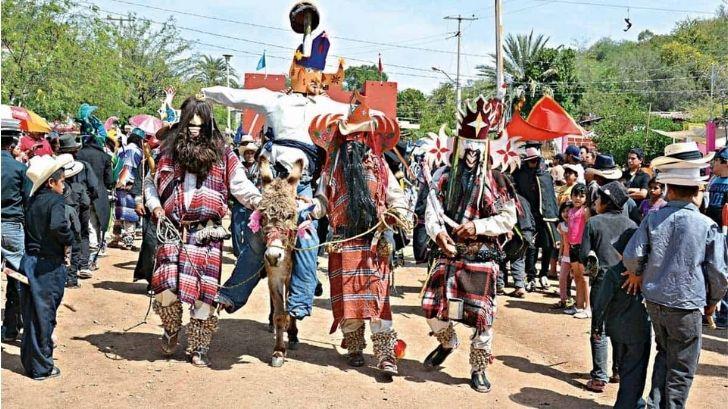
211 71
152 59
519 53
355 77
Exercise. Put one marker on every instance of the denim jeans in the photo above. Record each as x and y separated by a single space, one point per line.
246 274
721 317
600 348
13 248
632 360
239 217
303 278
40 301
678 337
517 270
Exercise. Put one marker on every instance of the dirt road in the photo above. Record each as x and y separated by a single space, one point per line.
108 360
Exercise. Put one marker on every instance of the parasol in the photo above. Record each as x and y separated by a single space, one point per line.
147 123
29 120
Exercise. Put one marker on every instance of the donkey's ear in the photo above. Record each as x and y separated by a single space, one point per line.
295 175
265 173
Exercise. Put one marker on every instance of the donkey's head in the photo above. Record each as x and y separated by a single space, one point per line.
278 213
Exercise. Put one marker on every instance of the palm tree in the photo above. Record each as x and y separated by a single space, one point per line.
520 51
212 71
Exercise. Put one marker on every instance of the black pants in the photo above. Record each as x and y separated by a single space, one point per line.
544 241
145 263
632 360
12 321
84 217
40 302
76 258
420 243
678 337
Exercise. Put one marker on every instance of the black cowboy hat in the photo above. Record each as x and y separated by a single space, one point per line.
69 142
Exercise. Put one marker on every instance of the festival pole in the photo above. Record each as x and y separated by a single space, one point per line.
500 91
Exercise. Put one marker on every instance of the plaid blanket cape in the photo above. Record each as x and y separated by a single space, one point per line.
471 281
193 273
358 276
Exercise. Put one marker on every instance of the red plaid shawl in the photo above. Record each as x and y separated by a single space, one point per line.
359 278
473 282
193 274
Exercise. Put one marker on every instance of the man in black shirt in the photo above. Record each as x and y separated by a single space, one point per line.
634 178
15 189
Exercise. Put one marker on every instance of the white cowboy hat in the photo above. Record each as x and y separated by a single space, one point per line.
73 167
682 154
532 153
681 176
40 168
247 143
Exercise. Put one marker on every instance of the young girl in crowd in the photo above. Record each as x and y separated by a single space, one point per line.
656 198
570 175
576 222
565 271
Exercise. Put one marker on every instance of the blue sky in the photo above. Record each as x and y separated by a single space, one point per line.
414 23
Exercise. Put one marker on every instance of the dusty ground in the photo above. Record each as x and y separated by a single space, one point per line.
542 358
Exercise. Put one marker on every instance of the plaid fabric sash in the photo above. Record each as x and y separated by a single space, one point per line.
192 270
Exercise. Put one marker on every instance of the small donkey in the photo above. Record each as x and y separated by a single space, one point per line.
278 223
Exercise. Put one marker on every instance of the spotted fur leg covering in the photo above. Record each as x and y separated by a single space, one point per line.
447 337
383 343
354 341
199 336
480 359
171 317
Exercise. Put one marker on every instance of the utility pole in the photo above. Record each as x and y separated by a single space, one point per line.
459 34
120 20
499 91
227 77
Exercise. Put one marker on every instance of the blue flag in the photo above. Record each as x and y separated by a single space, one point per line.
261 62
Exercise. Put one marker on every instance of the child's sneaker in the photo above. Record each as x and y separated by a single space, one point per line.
583 314
570 311
544 282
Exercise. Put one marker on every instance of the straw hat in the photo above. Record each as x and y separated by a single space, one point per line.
40 168
681 176
247 143
73 167
682 155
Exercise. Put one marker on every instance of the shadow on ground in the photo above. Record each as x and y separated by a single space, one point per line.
539 398
526 366
123 286
239 340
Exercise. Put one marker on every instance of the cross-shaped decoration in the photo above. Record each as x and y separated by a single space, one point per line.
478 124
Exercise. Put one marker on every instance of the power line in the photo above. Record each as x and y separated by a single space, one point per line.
195 30
628 6
356 40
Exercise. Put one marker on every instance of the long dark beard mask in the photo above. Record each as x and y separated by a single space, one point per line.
196 155
361 210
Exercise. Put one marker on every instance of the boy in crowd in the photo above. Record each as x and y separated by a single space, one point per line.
678 278
601 231
47 236
623 317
